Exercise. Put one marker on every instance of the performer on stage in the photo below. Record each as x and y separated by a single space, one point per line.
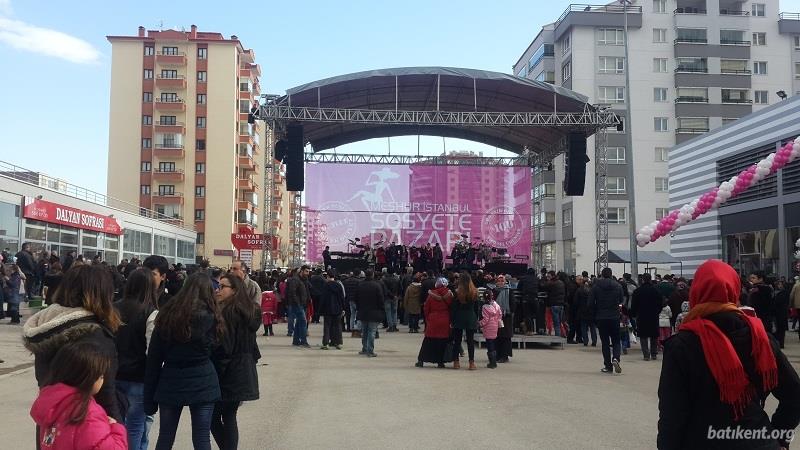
326 257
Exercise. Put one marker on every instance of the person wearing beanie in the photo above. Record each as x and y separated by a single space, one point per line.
719 369
437 326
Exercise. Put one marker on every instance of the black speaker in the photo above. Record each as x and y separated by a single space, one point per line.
575 170
295 171
281 148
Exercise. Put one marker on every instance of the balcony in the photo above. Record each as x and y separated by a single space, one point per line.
734 42
170 105
171 59
733 12
170 127
689 69
175 198
737 101
735 71
789 23
247 162
169 151
688 40
178 82
691 130
246 184
597 16
691 99
690 10
175 175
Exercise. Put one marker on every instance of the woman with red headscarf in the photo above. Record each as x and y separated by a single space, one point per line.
718 370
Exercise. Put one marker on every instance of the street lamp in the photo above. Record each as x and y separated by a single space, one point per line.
629 152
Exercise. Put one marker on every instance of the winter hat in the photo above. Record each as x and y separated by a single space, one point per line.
685 307
716 288
441 282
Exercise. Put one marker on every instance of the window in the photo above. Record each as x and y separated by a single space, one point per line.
201 238
735 96
549 190
523 72
610 36
662 154
759 38
201 122
147 143
146 166
611 94
173 51
199 167
148 74
202 53
149 51
199 214
169 97
692 35
659 94
566 71
693 65
166 167
659 35
611 64
732 37
661 213
727 120
169 140
547 218
201 99
662 184
617 215
565 44
147 120
168 120
147 97
546 76
758 9
615 185
797 70
692 124
761 97
692 95
760 67
734 66
660 65
659 6
199 191
797 42
540 53
660 124
566 217
244 106
615 155
200 144
166 189
619 128
169 73
202 76
145 189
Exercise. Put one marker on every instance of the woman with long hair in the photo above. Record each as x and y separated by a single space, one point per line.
465 319
81 311
718 371
179 371
235 359
137 303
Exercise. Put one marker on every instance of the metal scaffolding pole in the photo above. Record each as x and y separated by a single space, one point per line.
601 198
267 260
343 158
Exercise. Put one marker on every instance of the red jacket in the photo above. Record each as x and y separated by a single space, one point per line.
269 306
437 313
52 410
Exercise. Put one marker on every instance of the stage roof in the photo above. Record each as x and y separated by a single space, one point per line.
437 89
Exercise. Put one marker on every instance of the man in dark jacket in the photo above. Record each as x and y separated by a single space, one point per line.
297 298
350 287
391 284
646 306
528 286
316 284
556 293
370 295
428 284
760 299
605 298
331 309
583 312
27 266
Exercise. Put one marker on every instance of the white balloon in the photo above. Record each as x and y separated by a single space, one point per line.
797 139
725 187
762 171
763 164
770 157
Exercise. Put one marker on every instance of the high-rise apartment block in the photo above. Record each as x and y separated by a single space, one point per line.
695 65
179 140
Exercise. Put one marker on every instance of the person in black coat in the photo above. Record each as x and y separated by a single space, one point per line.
135 307
719 369
528 286
646 305
235 359
583 312
27 266
780 311
331 307
370 296
760 298
179 371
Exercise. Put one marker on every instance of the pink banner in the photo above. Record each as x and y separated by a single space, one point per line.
415 205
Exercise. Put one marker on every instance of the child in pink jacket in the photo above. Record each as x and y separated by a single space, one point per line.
491 320
66 414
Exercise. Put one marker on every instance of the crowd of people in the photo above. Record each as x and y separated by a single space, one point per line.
146 337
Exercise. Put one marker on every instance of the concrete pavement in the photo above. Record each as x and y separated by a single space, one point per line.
335 399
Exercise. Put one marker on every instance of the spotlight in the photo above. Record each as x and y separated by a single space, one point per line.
782 95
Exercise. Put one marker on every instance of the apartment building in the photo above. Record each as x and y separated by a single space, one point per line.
695 65
179 141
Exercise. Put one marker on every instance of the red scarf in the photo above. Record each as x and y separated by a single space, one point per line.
716 288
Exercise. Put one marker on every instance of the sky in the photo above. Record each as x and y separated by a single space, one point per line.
54 93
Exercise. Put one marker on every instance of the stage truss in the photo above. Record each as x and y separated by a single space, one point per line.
601 198
591 120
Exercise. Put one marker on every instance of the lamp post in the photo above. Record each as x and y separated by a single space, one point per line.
629 150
